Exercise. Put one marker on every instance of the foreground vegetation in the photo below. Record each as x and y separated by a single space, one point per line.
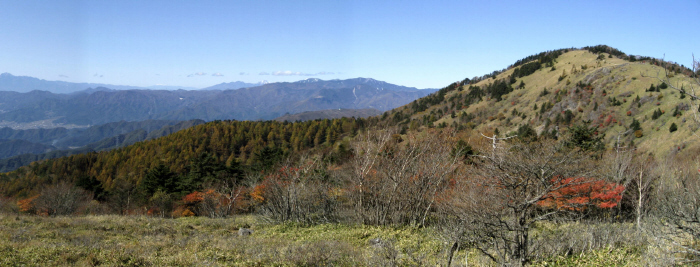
112 240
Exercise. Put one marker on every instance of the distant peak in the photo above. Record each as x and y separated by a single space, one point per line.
310 80
367 80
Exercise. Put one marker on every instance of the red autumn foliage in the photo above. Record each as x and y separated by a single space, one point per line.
578 193
608 120
193 198
213 202
27 204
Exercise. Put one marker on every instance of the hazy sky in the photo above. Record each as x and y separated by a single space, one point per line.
424 44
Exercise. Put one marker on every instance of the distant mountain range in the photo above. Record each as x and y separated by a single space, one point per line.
23 84
329 114
103 105
233 85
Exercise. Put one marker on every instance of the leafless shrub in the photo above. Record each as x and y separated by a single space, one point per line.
383 253
8 206
61 199
676 225
298 193
398 181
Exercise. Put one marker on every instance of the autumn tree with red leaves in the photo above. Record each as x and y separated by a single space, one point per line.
579 194
503 197
215 203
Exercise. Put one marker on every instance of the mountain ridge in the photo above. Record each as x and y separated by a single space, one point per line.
102 105
329 114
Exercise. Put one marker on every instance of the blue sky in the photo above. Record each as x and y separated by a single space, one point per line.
424 44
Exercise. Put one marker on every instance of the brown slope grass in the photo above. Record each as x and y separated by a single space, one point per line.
619 78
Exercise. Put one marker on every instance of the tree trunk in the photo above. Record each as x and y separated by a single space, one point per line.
639 201
454 248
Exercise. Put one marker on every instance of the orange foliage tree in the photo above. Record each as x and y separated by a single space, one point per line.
27 204
214 203
577 194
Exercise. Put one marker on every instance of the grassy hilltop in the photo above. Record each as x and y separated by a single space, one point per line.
596 89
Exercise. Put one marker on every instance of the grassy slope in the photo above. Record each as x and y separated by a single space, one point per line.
615 76
197 241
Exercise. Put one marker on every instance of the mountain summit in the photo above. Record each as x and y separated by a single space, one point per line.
627 100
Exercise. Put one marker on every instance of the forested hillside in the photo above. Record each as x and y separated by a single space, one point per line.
329 114
567 154
21 152
222 143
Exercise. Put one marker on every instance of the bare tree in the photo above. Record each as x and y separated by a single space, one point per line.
61 199
429 177
232 194
299 193
498 204
676 224
397 181
640 188
367 148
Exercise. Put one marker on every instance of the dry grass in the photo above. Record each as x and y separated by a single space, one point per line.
111 240
616 77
